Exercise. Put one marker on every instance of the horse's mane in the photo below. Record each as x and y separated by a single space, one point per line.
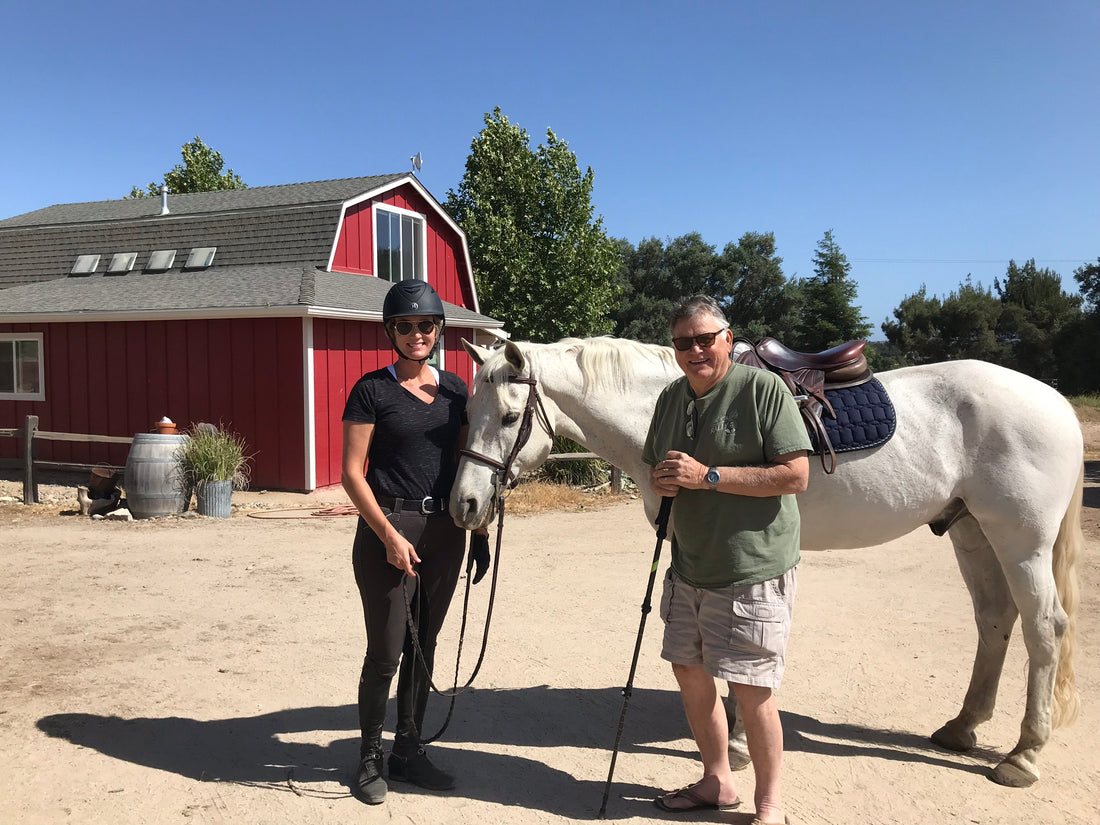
604 361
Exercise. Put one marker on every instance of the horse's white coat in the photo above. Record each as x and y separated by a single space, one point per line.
1006 446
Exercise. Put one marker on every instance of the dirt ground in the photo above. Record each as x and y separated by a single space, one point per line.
199 670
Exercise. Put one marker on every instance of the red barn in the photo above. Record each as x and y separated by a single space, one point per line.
254 308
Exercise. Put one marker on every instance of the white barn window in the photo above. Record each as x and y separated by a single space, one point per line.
21 367
399 244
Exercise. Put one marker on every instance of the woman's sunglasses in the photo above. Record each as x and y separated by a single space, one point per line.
423 327
705 340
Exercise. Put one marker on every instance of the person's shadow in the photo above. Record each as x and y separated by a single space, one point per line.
260 750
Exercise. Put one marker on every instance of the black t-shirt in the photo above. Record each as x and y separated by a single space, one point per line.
413 453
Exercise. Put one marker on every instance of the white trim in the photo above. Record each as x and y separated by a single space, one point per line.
28 396
310 400
79 317
439 210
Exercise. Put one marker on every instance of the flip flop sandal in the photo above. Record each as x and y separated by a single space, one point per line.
692 796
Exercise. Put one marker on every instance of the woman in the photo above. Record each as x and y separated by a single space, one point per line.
409 420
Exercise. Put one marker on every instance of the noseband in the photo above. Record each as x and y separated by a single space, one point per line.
534 407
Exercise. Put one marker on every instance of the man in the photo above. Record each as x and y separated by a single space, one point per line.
728 443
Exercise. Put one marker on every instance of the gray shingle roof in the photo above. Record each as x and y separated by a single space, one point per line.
296 289
259 197
295 223
273 243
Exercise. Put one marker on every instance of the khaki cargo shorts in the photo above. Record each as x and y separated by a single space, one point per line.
736 633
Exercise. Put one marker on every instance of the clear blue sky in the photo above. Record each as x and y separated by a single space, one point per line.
936 139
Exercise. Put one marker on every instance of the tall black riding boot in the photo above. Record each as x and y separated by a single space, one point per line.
374 691
408 761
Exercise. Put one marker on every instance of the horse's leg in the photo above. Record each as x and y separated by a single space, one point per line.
994 614
739 744
1029 576
1043 624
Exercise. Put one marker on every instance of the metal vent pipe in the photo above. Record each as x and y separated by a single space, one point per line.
163 199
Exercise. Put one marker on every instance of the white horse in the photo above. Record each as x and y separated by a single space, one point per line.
990 456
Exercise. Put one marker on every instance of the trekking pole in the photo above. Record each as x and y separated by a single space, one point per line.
662 529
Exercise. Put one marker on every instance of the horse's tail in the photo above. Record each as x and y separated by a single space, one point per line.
1067 547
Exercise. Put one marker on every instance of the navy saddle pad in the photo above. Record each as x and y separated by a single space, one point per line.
864 417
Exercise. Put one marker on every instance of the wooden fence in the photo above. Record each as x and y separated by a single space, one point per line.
29 433
616 473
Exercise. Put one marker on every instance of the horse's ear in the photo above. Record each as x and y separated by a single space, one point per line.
514 356
479 354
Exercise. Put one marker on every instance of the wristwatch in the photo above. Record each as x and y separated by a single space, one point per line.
713 478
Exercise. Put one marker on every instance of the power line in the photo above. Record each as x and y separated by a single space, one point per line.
964 260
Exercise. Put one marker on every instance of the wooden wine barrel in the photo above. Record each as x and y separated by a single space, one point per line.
153 481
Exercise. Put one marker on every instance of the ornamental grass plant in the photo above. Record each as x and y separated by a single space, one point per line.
214 454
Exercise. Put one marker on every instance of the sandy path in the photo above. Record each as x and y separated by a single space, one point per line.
204 671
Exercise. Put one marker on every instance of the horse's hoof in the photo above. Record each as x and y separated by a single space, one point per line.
1013 776
955 739
739 760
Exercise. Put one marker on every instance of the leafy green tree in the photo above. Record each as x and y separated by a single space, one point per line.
746 279
647 289
915 332
882 356
201 171
962 325
1077 345
829 313
1035 309
1088 279
653 277
541 262
758 299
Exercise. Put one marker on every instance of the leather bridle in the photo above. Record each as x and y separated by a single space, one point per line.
503 479
532 409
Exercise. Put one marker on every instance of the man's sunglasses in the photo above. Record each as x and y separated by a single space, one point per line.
705 340
405 327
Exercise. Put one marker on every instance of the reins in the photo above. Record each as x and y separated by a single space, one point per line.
534 408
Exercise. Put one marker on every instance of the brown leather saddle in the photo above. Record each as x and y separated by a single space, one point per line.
808 375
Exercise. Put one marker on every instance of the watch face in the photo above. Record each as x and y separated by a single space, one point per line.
712 476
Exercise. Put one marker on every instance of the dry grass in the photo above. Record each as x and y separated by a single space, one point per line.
1086 408
533 497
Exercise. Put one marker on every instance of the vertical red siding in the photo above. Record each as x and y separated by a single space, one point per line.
446 260
342 352
118 378
355 243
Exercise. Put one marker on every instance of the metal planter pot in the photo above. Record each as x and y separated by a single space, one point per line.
212 498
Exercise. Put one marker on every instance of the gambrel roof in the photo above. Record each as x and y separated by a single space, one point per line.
274 244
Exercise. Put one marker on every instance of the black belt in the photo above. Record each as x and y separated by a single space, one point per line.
426 506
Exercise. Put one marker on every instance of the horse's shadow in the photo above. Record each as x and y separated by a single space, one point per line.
262 750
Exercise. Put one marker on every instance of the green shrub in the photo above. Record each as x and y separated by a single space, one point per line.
214 454
586 472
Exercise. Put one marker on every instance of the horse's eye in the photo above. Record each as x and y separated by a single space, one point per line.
510 419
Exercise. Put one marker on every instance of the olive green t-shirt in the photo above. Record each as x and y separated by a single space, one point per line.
748 418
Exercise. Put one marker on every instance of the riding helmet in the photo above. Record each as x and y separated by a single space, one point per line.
411 297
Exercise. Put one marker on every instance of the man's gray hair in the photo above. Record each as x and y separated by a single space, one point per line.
696 305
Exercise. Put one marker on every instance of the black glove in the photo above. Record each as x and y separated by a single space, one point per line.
479 556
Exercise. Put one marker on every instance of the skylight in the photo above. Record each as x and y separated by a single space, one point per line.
85 265
121 263
161 260
200 257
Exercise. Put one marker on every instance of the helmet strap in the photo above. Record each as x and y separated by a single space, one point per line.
400 354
